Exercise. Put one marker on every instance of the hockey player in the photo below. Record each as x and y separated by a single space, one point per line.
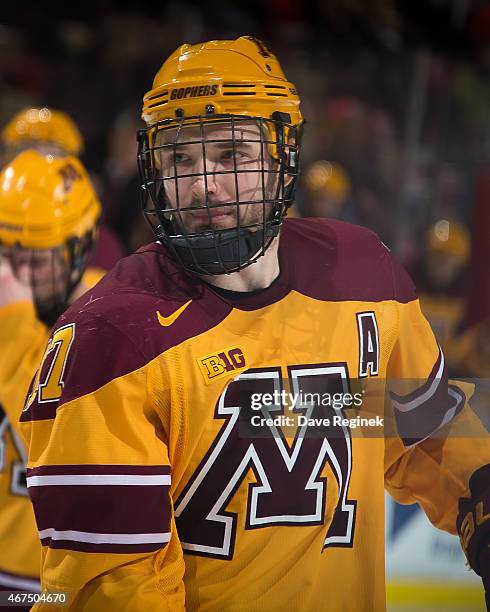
441 286
151 490
48 217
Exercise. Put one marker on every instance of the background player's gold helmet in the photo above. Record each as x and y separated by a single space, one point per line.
49 213
329 178
35 125
449 238
228 83
46 201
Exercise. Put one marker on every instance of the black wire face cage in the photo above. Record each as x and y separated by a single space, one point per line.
215 189
52 273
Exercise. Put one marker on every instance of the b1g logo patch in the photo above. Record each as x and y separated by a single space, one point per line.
217 365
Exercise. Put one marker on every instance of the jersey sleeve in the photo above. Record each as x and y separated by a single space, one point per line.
22 338
437 442
99 475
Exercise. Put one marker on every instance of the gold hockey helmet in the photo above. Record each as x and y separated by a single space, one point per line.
227 77
46 201
43 125
48 222
450 238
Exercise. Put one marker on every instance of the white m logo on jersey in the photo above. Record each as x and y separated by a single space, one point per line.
288 487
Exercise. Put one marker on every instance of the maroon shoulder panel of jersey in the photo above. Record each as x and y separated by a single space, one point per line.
332 260
144 306
335 260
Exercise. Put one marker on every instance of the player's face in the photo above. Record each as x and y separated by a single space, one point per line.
216 176
44 270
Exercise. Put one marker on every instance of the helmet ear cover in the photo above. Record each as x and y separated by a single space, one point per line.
223 250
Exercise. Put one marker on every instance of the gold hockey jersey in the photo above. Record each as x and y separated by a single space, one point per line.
161 468
22 340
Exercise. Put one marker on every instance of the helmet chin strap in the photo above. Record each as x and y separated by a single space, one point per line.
225 251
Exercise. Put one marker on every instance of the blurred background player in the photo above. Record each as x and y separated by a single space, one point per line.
441 282
53 132
327 192
48 225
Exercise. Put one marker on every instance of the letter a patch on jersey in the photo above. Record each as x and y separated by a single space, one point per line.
367 328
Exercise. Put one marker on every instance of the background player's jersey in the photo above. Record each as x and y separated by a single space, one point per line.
143 449
444 313
22 340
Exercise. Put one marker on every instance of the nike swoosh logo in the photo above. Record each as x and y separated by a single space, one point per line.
166 321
